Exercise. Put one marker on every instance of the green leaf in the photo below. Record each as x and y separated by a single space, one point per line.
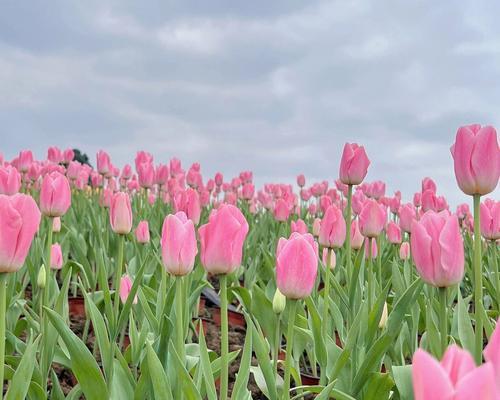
379 386
18 387
83 364
240 386
161 384
206 365
465 330
402 377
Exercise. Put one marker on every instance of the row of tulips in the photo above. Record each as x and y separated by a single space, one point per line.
359 290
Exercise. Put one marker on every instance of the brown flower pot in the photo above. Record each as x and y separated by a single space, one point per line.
309 380
234 318
76 306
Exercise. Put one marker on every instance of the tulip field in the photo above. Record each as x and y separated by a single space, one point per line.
149 281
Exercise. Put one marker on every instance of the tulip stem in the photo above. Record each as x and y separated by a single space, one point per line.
47 263
478 282
289 347
326 303
497 271
348 234
379 261
224 342
3 288
277 345
443 319
118 275
369 271
179 298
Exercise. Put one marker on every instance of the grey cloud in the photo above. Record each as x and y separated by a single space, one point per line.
276 87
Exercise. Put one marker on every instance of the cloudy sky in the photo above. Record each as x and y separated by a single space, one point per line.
273 86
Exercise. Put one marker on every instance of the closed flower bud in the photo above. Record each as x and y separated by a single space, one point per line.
279 302
41 279
383 318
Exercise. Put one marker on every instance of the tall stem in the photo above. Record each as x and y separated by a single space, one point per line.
478 282
225 342
3 288
326 303
348 234
443 319
118 275
369 271
379 261
179 298
289 347
46 294
496 271
277 345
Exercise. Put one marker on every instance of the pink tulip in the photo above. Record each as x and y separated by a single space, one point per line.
281 210
56 224
54 155
299 226
353 165
455 378
429 184
492 352
103 162
358 199
126 172
333 228
374 249
219 179
404 251
55 195
125 288
377 189
490 219
476 158
333 258
142 157
429 201
56 257
146 174
178 244
189 202
24 160
222 239
463 211
68 155
417 199
301 180
407 215
20 220
296 265
316 227
372 218
142 232
437 249
162 174
10 180
357 238
393 233
120 213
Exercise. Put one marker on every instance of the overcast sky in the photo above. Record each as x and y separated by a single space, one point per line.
273 86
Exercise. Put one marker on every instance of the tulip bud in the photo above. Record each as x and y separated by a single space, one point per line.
41 279
295 276
120 213
383 318
437 249
56 224
476 157
353 165
279 302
